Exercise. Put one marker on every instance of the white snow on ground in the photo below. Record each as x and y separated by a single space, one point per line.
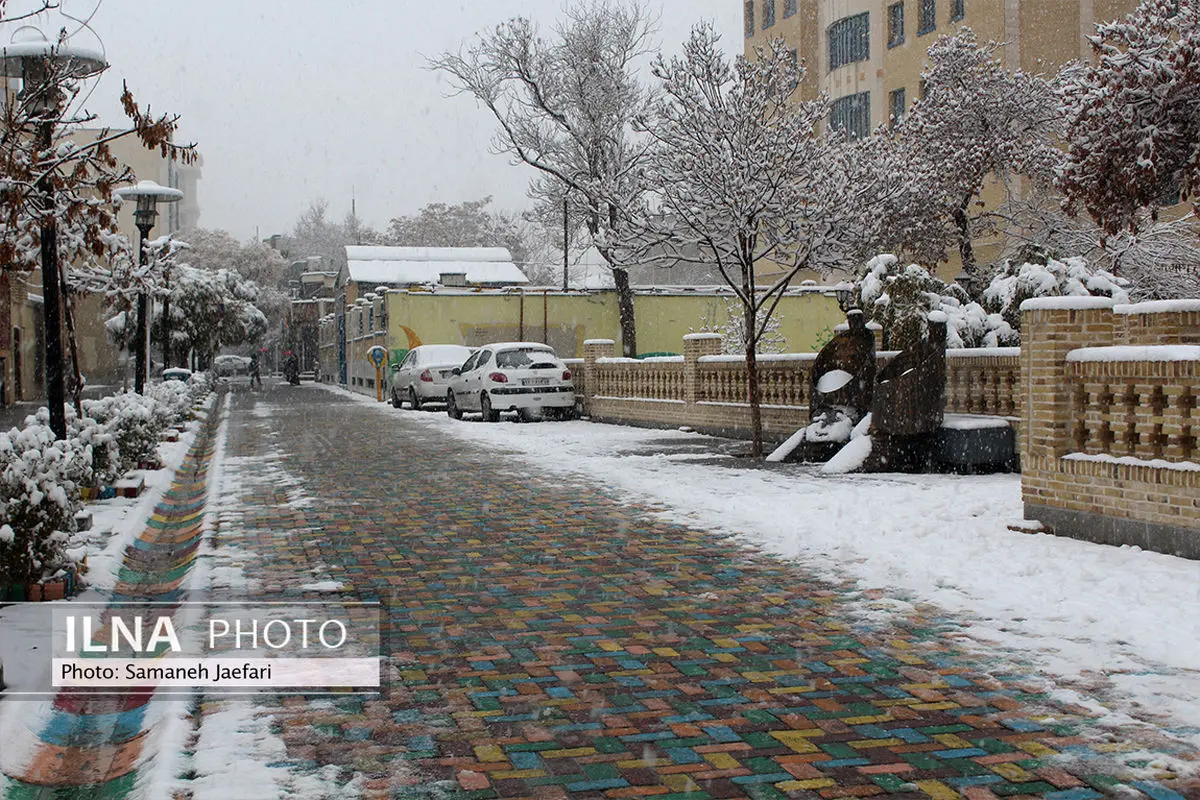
235 752
1090 614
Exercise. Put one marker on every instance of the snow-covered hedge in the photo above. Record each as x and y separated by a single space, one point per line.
900 298
40 480
135 422
1014 284
172 401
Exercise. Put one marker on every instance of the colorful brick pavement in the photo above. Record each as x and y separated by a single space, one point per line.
549 641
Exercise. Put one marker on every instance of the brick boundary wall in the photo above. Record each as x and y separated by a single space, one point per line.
707 391
1110 422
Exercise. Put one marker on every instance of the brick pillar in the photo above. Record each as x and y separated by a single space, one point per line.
694 346
1050 328
592 350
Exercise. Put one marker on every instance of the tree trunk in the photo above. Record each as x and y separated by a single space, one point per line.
756 449
68 314
625 308
966 249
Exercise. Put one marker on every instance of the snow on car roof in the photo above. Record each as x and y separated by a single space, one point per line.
503 346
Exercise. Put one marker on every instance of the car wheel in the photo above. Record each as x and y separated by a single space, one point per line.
396 399
527 415
413 400
452 408
485 405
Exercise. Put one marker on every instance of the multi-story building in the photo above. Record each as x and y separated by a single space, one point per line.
868 55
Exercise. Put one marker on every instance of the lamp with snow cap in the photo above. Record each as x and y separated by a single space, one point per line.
148 195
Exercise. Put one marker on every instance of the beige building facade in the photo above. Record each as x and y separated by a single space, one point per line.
868 55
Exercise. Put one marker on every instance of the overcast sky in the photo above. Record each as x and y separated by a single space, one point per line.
294 100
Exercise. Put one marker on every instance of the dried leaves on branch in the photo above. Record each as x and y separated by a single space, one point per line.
1134 117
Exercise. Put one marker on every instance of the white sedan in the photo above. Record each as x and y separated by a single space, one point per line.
424 374
525 377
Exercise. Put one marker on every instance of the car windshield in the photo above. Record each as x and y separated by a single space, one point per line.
514 359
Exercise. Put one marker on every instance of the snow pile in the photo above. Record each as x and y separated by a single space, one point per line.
855 452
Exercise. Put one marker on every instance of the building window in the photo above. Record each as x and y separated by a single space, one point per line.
749 18
897 105
768 13
849 40
852 114
895 24
795 54
958 9
928 18
789 8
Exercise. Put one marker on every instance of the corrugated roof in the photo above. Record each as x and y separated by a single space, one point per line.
402 266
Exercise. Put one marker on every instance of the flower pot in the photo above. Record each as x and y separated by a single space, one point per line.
13 593
33 592
54 590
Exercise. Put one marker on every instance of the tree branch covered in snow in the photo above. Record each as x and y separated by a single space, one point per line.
976 123
566 108
743 178
1134 117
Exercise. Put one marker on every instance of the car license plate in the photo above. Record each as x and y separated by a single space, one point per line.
535 381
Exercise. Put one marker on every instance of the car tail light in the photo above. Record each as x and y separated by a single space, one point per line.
566 374
426 376
498 377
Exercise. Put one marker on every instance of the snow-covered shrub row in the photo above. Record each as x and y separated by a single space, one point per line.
172 401
134 422
1013 285
900 298
40 480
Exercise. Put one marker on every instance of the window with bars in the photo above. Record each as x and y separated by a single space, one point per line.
768 13
851 114
895 24
749 18
849 40
927 20
789 8
897 105
958 9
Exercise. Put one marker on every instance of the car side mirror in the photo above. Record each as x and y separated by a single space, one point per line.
456 371
395 367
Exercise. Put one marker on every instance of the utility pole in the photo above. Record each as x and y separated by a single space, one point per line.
566 241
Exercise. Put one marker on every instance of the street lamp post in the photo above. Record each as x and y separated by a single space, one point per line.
148 195
40 64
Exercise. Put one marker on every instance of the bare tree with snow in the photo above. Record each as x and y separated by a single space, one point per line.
976 122
744 179
566 108
1134 117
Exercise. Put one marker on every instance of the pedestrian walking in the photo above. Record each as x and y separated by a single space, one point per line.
255 377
